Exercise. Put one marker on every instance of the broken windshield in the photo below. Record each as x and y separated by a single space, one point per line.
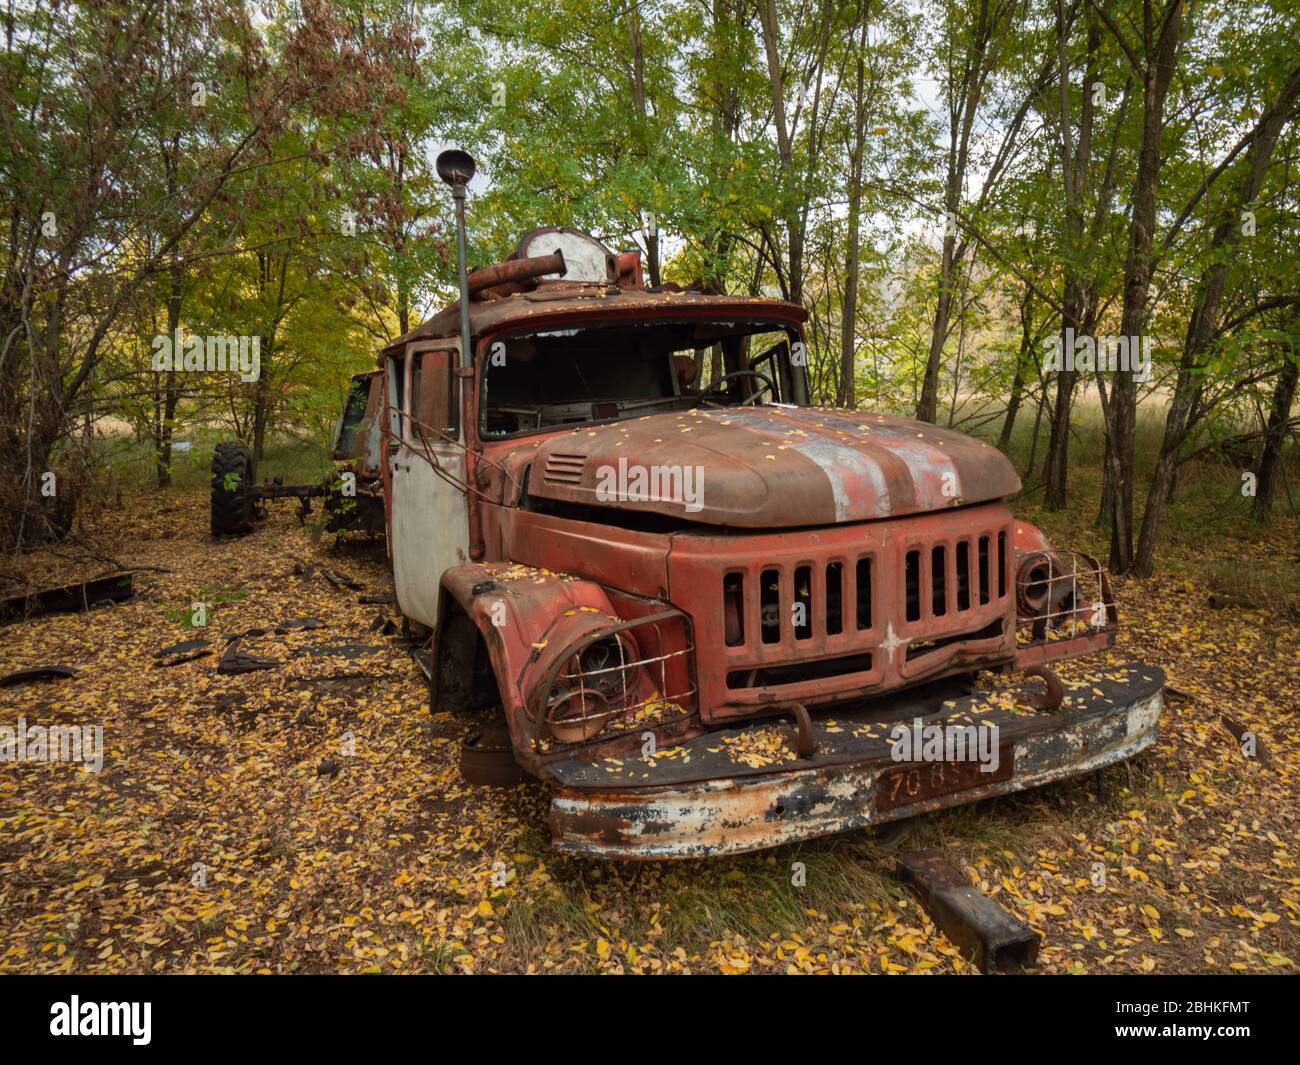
544 379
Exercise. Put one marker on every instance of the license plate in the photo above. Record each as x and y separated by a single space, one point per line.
913 782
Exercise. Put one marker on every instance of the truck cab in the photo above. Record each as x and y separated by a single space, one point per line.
704 606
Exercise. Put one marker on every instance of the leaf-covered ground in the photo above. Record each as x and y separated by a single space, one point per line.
211 841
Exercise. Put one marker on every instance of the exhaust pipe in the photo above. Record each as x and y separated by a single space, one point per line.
456 168
501 279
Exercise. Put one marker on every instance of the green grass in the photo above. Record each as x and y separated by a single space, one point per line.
295 461
183 614
701 903
1208 508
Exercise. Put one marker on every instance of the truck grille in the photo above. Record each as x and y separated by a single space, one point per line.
801 602
828 614
822 600
961 574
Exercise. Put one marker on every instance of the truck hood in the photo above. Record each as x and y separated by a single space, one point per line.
770 467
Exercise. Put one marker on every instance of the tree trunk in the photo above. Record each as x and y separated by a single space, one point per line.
1038 422
794 231
1022 360
1076 161
1185 408
1160 55
1274 438
1107 501
1056 465
639 99
847 392
927 408
964 96
170 393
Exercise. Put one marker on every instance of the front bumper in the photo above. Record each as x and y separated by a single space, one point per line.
714 794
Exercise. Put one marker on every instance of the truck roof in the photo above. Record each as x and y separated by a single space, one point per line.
564 299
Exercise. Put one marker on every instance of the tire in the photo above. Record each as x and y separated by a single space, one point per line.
487 759
233 506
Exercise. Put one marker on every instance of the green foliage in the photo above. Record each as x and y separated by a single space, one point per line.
296 201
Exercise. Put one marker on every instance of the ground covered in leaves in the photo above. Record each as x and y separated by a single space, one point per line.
311 818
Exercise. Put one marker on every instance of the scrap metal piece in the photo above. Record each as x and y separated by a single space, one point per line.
236 661
1239 732
385 626
25 676
341 580
70 598
293 624
981 929
179 653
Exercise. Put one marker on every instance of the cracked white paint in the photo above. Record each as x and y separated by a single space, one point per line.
734 815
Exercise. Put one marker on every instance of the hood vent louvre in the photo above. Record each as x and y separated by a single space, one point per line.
564 467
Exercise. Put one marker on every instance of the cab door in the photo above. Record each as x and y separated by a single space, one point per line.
429 523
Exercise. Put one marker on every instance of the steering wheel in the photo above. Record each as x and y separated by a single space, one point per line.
713 388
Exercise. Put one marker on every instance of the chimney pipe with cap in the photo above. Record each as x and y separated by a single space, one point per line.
456 168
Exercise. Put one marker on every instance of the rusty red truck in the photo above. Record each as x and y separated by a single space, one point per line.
706 609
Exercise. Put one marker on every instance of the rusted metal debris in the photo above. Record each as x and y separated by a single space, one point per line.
180 653
35 673
297 625
981 929
235 661
1222 602
424 661
1239 732
488 759
70 598
341 580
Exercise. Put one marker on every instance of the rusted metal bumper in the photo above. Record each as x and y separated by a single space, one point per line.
714 794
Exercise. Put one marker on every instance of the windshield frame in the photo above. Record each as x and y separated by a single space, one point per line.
764 323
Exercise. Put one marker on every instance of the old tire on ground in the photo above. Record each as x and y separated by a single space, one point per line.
232 496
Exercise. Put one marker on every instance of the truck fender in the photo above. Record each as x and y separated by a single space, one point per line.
526 618
1029 538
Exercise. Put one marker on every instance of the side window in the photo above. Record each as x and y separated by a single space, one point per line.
396 394
710 365
353 411
413 408
775 362
436 406
770 364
